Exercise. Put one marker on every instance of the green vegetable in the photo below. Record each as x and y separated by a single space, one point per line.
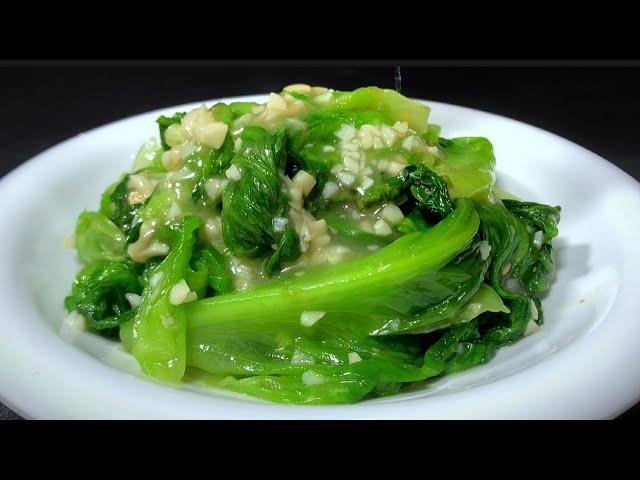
98 239
312 159
237 283
240 339
251 203
413 222
511 247
537 270
542 217
149 156
388 190
98 294
159 327
197 276
429 191
115 205
390 102
167 195
288 250
485 299
459 280
222 113
467 165
240 108
349 231
359 285
164 122
208 163
323 125
432 135
458 349
218 272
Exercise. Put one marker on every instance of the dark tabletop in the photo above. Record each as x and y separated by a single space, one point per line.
598 108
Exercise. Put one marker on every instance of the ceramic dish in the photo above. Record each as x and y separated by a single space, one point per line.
583 363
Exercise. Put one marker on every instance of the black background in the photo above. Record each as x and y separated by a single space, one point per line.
596 107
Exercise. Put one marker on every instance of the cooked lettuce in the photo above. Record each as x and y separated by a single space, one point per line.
250 203
159 327
115 206
98 239
165 122
467 165
389 102
328 291
98 294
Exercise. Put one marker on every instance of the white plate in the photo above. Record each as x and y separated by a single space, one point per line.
584 362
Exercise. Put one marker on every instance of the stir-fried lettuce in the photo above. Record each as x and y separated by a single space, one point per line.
254 198
159 326
322 248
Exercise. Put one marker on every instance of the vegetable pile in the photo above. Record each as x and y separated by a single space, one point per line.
322 248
